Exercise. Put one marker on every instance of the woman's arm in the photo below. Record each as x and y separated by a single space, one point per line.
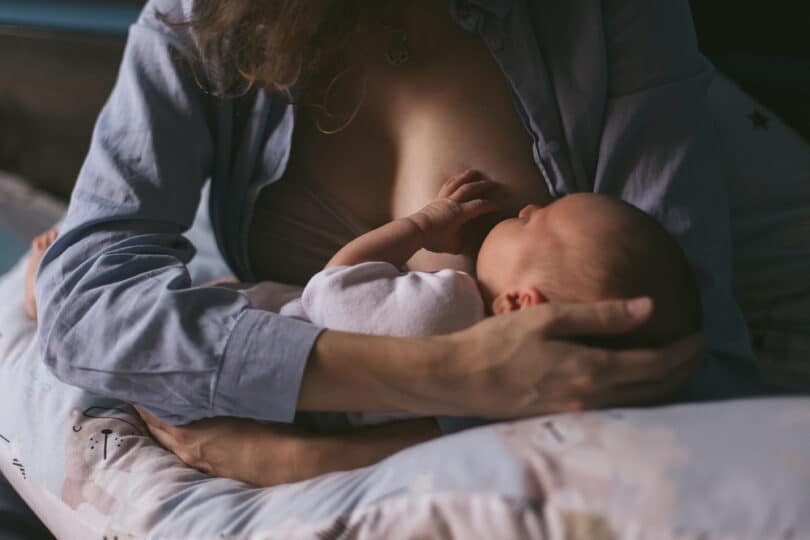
436 227
118 314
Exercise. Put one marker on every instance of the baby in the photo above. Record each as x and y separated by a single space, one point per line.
581 248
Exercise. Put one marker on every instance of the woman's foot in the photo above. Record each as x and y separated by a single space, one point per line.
38 247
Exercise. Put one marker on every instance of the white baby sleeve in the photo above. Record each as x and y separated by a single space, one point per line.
377 298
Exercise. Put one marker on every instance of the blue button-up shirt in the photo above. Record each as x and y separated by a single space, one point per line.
613 93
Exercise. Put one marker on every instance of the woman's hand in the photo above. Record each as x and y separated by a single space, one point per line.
528 363
269 455
255 453
462 198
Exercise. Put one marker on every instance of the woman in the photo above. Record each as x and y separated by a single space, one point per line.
391 98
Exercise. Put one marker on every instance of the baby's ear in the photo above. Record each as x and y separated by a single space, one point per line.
506 302
531 297
516 300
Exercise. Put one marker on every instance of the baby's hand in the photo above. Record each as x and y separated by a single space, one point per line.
461 199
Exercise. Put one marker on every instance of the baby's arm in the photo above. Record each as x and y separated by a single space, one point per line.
436 227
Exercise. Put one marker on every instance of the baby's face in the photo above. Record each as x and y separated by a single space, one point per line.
504 260
543 247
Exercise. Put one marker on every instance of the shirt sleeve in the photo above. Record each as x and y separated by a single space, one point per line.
377 298
658 151
118 314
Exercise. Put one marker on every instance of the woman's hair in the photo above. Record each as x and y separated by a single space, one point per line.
274 44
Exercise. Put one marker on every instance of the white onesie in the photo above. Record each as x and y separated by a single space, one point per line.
377 298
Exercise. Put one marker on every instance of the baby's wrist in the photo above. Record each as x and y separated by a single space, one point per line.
416 230
419 226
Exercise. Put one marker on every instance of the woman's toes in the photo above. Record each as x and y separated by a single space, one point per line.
42 242
31 305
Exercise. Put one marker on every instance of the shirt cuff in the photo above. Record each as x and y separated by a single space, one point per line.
263 366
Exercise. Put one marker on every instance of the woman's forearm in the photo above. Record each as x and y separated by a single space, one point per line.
359 372
325 454
281 455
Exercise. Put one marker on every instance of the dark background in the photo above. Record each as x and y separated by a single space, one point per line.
53 82
765 47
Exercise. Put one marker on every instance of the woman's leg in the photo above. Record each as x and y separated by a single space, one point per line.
39 245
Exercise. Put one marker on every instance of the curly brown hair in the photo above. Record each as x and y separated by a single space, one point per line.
275 44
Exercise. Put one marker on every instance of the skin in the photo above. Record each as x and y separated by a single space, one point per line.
39 246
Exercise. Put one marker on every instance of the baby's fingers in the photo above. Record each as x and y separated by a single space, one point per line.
477 207
472 190
454 182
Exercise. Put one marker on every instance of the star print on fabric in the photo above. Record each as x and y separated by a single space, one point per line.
759 120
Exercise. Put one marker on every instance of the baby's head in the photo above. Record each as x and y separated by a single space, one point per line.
584 248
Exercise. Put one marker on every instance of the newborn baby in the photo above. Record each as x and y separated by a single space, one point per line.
581 248
584 247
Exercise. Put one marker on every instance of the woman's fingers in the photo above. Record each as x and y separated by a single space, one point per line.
164 433
167 440
596 319
151 421
179 441
604 367
650 392
600 377
653 364
171 437
163 437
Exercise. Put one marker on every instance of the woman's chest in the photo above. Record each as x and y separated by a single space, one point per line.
448 109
